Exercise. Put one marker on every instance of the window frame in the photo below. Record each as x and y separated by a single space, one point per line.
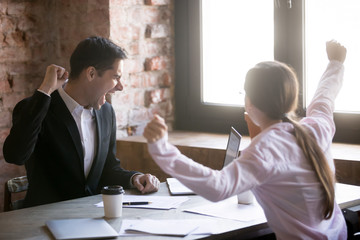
191 114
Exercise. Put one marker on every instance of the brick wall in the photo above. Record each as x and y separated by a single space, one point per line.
149 70
36 33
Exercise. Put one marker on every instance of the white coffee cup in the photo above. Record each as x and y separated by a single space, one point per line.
246 197
112 198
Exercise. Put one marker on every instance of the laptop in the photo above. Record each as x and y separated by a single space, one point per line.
83 228
232 152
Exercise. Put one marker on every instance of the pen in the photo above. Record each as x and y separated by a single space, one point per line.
136 203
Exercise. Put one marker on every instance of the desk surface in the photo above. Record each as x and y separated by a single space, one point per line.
29 223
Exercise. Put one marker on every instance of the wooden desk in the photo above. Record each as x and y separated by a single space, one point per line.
29 223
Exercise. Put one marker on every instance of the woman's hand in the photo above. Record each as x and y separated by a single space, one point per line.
335 51
155 129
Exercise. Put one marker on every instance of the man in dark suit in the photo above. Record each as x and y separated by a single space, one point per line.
65 133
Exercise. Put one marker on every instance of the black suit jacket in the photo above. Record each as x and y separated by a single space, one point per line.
46 139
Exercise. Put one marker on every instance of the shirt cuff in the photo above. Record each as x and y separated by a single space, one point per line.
131 184
43 92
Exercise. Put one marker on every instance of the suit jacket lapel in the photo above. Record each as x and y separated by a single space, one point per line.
62 112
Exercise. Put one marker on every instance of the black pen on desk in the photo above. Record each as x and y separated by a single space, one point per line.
136 203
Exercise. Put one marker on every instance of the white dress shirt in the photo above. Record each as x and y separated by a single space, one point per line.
85 121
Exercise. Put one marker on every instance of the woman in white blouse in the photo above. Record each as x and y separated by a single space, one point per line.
288 166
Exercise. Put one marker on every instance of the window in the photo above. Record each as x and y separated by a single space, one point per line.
226 54
333 19
209 58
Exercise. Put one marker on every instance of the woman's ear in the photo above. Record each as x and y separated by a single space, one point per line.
248 104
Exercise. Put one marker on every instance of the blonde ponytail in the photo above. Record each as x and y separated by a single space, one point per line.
313 152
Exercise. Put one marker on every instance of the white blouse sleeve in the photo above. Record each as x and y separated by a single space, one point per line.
214 185
319 114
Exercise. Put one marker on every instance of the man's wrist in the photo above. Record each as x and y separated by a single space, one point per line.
42 91
131 180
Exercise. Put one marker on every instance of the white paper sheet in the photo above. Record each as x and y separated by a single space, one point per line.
230 209
166 227
162 227
157 202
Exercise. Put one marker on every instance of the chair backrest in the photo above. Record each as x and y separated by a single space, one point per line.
14 185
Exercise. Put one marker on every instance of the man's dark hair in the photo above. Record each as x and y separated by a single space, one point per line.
97 52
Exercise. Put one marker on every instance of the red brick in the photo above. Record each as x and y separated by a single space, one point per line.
10 100
3 8
148 15
139 98
157 96
5 119
144 80
157 31
5 86
118 16
128 32
133 65
17 8
25 24
121 133
13 54
157 2
122 117
132 48
121 3
121 98
165 80
4 132
16 38
154 47
140 115
156 63
21 83
7 25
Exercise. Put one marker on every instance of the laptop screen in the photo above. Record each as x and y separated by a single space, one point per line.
233 146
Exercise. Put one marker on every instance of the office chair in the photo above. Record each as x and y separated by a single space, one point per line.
14 185
352 224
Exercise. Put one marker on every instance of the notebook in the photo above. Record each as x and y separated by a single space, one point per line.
232 152
85 228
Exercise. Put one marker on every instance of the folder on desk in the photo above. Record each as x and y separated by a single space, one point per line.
232 152
85 228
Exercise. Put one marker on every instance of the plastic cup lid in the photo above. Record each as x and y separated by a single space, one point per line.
112 190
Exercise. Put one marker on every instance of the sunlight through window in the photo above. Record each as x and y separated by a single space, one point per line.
339 20
235 36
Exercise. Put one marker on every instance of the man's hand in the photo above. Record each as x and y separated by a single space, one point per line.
146 183
335 51
55 76
155 129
